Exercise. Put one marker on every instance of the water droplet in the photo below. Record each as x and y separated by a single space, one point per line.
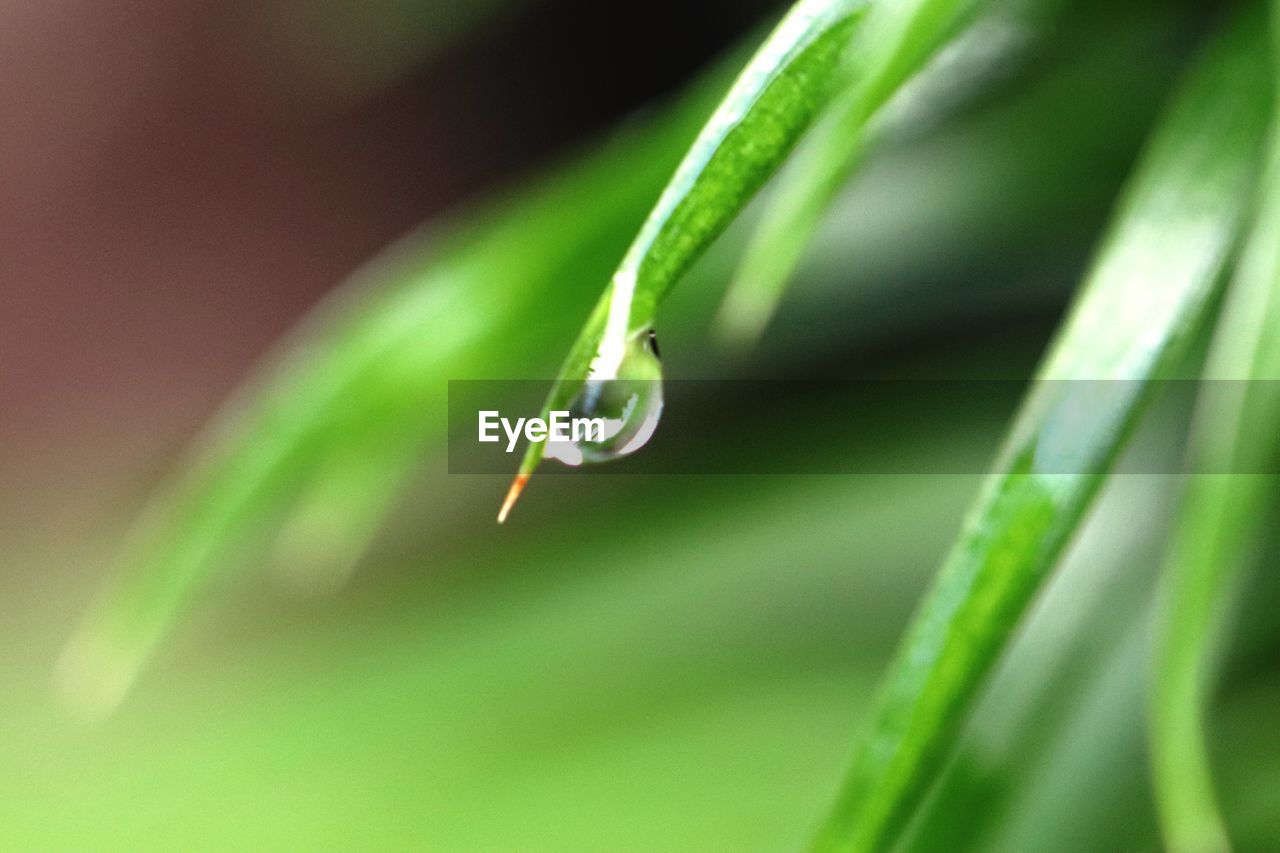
625 407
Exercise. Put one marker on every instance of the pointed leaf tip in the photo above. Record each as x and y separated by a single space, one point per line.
513 494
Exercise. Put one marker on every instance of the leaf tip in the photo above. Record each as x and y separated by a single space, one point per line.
513 494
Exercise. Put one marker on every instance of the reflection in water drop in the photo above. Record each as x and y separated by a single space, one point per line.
626 407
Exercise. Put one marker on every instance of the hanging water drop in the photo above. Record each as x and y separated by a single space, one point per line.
624 407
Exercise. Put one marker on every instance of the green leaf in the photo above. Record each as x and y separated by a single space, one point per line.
334 423
792 77
1148 291
1023 776
1223 512
822 50
337 512
895 42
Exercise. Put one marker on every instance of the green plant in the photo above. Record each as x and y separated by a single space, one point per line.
317 451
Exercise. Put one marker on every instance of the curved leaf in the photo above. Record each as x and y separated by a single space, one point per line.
360 389
1223 511
1148 291
793 76
895 42
824 49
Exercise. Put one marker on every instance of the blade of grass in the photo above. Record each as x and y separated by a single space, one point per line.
1101 594
820 50
779 93
1148 291
369 365
895 42
1223 511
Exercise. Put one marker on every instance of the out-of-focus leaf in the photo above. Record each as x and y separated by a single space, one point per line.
1019 770
1234 443
811 58
345 50
362 388
338 511
1148 292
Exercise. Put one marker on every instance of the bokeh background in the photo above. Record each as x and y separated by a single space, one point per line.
634 663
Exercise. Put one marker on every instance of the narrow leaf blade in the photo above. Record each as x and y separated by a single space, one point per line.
1149 289
1222 514
792 77
366 371
896 42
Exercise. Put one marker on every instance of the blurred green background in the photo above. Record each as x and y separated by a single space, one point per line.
633 663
